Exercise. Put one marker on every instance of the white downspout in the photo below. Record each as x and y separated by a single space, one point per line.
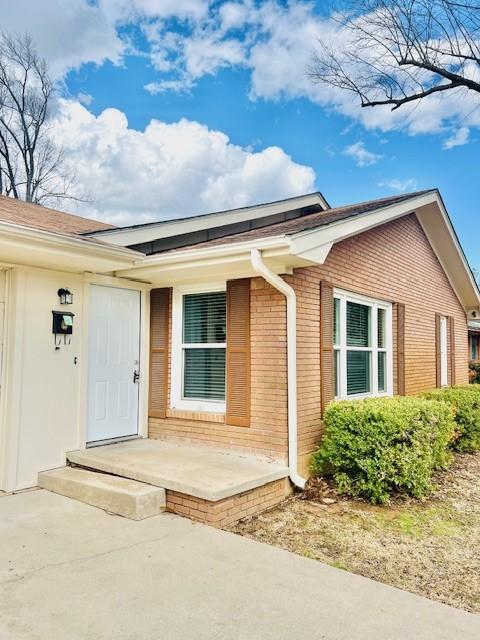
276 281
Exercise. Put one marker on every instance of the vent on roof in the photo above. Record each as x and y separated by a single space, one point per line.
203 235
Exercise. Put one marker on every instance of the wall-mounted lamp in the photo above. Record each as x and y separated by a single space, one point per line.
65 296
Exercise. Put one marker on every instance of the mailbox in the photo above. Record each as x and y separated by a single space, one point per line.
62 323
62 326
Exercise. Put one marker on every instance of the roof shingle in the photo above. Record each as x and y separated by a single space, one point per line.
306 222
39 217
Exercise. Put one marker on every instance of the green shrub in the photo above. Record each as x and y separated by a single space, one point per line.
466 403
380 446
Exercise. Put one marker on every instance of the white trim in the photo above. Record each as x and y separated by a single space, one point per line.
177 401
312 246
373 349
56 238
167 228
443 352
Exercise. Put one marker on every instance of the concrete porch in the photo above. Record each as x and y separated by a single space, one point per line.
196 471
207 485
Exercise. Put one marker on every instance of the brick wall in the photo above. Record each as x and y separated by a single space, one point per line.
267 434
229 510
393 262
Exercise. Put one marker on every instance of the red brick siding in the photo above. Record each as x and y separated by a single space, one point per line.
394 262
229 510
267 434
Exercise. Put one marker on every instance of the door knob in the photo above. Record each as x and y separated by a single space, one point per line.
136 377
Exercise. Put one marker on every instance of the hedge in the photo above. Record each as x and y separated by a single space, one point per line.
380 446
466 403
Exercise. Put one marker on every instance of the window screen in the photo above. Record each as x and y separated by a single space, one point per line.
204 334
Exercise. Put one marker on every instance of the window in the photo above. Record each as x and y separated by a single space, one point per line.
474 347
362 335
198 353
443 352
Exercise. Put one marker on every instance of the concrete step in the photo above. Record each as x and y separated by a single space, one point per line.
128 498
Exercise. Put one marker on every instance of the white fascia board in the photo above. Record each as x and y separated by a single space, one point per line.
315 244
28 246
168 228
359 223
207 259
220 250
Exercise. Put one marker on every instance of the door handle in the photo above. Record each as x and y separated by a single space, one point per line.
136 377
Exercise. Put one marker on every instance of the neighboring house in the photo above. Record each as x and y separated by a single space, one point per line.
474 340
231 330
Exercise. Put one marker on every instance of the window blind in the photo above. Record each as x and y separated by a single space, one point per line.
381 328
358 372
358 325
204 374
381 370
204 324
204 318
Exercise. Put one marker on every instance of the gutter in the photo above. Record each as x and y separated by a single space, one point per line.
276 281
64 240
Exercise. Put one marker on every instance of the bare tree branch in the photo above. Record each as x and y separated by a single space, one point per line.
32 167
392 52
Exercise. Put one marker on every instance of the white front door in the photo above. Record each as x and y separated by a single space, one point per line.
113 363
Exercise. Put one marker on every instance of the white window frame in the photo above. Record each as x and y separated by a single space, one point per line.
177 401
443 351
341 348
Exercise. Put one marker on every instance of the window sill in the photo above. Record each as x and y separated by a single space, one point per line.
204 416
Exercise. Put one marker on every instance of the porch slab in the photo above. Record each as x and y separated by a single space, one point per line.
191 470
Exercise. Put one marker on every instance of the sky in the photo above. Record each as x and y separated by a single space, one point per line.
169 108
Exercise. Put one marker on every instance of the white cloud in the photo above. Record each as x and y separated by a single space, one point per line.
362 156
457 139
275 41
85 98
68 33
233 15
124 11
402 186
168 170
188 39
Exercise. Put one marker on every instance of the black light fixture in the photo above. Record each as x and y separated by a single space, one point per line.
65 296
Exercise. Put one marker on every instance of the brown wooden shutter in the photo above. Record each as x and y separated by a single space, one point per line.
238 352
400 349
327 382
451 331
159 319
438 364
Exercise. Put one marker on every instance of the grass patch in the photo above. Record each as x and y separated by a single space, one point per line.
429 547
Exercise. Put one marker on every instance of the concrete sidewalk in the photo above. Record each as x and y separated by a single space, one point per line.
73 572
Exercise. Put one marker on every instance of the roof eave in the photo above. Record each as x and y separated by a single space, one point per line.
442 238
22 245
313 246
138 234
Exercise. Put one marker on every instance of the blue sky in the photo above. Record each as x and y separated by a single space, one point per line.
235 118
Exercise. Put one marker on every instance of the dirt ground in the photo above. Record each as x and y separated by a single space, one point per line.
429 547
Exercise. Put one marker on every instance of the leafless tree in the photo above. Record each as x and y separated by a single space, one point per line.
32 166
394 52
